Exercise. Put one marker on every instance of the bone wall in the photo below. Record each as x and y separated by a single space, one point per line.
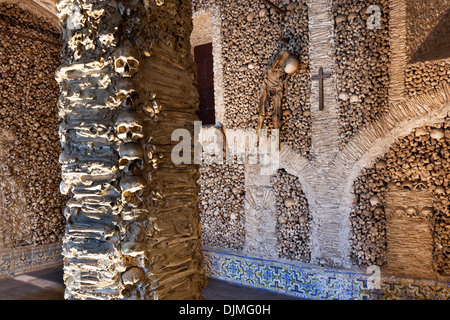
419 161
423 77
222 205
362 58
127 83
250 33
30 202
293 217
373 107
427 49
202 32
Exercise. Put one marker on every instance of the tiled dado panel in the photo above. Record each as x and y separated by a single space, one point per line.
312 283
280 277
18 261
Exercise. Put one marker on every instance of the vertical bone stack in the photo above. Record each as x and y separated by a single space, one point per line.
126 83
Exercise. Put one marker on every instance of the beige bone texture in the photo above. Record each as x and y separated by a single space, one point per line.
120 59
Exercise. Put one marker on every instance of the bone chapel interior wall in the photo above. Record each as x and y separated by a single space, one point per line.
249 40
417 162
362 61
249 34
30 202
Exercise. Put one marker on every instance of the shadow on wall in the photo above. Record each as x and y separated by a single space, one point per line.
400 216
437 45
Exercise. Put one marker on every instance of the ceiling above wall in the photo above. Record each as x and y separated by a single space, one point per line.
42 8
437 44
49 5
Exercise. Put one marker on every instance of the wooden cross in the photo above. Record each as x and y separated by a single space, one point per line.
321 76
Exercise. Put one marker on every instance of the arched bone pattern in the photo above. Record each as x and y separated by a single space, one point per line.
418 161
133 227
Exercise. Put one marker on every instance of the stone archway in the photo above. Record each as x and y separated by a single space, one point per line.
376 138
372 141
428 112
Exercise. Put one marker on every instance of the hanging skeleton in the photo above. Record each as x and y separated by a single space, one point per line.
276 77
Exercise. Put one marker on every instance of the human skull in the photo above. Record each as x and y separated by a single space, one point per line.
411 212
427 213
133 249
303 219
380 165
399 212
128 153
124 88
132 187
133 275
159 2
289 202
375 201
129 127
64 188
126 61
440 190
437 134
292 65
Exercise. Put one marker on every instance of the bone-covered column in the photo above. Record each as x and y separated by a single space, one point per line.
133 228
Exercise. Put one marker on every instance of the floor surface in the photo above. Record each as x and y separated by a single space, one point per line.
48 285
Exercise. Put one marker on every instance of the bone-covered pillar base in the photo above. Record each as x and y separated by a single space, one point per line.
133 228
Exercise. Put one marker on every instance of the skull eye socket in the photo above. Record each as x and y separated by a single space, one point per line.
122 129
127 193
133 63
120 63
135 129
121 95
123 162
